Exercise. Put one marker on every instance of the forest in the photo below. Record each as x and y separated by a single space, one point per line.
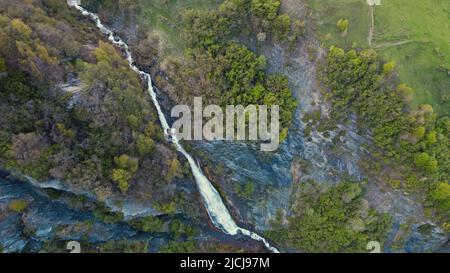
227 72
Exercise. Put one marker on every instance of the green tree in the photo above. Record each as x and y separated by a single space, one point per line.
175 169
431 138
265 9
282 26
405 92
388 67
18 205
343 24
106 52
419 133
440 196
133 121
22 29
432 165
148 224
122 178
145 145
179 229
421 159
2 65
249 189
127 163
125 168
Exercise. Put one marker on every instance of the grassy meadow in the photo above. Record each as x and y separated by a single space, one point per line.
413 33
166 16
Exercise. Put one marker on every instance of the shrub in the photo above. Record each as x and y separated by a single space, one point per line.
342 24
148 224
388 67
121 177
145 145
282 26
18 205
21 28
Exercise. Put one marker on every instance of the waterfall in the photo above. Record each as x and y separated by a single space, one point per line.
216 209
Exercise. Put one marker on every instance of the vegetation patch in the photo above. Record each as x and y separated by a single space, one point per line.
18 205
335 219
413 138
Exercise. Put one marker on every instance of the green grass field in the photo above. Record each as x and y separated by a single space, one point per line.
413 33
166 16
328 12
